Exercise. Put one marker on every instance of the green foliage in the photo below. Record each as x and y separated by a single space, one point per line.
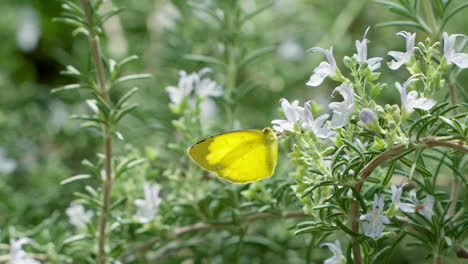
256 52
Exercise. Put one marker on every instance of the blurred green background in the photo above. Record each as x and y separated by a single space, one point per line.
40 146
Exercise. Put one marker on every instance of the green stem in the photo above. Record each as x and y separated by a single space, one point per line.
456 181
107 135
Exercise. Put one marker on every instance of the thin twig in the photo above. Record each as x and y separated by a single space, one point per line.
426 142
455 182
202 226
103 92
42 257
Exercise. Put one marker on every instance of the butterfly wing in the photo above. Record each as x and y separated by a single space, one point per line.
238 156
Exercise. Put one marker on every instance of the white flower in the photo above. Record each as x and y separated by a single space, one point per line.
148 207
208 87
7 165
459 59
78 216
335 248
317 126
183 89
164 17
426 208
361 47
396 196
28 32
403 57
374 221
18 255
324 69
293 114
290 50
193 83
342 110
410 101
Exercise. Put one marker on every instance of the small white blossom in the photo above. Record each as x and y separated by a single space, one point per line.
193 83
290 50
361 47
28 32
164 17
374 221
78 216
425 208
148 207
18 255
396 197
208 87
459 59
338 256
293 114
342 110
403 57
324 69
410 101
7 165
317 126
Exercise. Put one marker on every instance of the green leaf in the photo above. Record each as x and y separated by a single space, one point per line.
87 118
132 77
256 54
127 60
204 59
76 238
418 167
75 178
418 122
403 23
356 150
88 199
125 97
119 114
346 229
69 21
103 18
66 88
390 171
455 11
256 12
127 164
71 6
310 189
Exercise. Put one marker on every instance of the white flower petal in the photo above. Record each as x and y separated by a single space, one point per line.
148 207
407 207
423 103
461 60
320 73
374 63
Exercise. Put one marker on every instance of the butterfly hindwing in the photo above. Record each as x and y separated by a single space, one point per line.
238 156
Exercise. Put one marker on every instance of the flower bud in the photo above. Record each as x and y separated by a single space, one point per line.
367 116
349 62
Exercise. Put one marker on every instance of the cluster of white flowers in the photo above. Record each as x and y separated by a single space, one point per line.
297 116
374 220
18 255
148 207
78 216
191 85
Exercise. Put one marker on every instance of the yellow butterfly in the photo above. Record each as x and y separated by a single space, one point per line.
238 156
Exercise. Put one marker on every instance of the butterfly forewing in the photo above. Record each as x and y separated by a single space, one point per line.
238 156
